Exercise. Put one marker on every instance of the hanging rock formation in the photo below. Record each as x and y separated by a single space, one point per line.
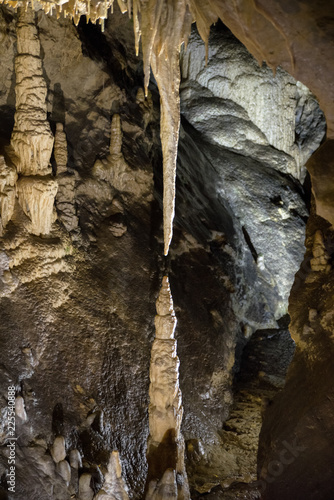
32 139
165 453
163 26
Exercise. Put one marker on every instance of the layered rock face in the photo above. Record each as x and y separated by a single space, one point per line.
79 304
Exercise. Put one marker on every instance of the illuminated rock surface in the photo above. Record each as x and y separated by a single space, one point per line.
165 449
78 303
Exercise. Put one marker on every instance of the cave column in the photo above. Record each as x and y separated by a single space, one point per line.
32 139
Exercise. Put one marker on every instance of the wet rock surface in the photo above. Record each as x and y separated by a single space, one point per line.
78 305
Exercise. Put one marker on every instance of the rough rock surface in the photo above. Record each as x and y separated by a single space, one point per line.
244 107
78 304
297 450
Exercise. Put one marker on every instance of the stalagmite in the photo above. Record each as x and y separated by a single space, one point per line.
60 149
65 198
113 487
58 451
320 261
165 444
85 490
115 170
32 139
116 137
64 470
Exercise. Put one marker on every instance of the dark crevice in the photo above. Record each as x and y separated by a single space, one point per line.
250 244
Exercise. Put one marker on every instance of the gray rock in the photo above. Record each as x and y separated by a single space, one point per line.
249 105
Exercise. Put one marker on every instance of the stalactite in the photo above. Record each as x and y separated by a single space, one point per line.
32 139
165 445
163 26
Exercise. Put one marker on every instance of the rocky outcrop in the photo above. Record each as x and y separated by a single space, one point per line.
226 133
302 435
232 102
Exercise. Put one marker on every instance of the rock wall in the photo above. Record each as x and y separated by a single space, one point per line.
78 304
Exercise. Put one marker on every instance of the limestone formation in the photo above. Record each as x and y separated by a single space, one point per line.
75 459
163 27
85 490
65 201
20 410
161 45
32 139
60 149
93 328
36 196
320 261
165 444
115 170
232 100
113 487
8 178
64 469
58 451
65 198
165 488
116 137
